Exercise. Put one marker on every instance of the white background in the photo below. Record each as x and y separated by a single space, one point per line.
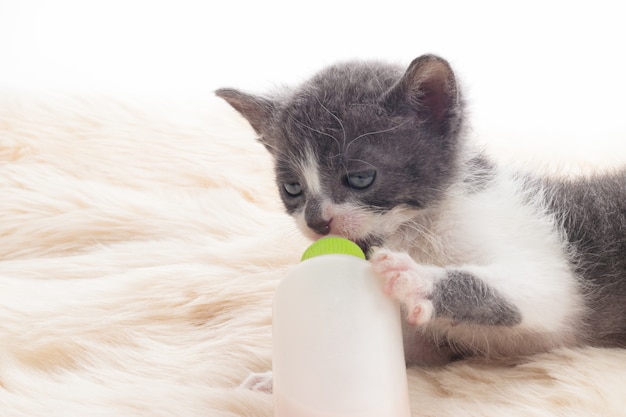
533 69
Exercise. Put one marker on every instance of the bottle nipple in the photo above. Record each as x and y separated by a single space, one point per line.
332 245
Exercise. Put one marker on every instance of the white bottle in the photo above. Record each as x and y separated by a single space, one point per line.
338 348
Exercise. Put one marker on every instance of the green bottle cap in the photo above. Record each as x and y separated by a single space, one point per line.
333 245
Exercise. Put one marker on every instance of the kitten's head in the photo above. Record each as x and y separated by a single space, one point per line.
361 148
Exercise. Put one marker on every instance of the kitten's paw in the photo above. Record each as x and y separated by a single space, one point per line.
261 381
408 282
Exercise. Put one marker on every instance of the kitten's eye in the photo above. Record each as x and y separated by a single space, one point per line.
294 189
361 180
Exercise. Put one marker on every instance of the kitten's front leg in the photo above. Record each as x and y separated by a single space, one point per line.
408 282
430 292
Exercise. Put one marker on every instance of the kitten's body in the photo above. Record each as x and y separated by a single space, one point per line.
500 264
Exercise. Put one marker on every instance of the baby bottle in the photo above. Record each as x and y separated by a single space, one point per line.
337 338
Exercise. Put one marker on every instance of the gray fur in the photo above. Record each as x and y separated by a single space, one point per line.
592 212
461 297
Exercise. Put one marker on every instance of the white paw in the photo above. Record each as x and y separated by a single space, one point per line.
261 381
408 282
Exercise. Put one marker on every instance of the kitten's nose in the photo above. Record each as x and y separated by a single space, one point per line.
321 226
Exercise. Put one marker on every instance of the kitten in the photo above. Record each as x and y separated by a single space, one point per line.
484 261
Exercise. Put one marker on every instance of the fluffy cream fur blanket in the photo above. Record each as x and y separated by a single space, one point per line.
140 245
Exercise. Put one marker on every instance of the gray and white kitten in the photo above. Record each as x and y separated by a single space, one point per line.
484 261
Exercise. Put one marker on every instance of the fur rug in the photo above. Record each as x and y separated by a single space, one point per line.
140 245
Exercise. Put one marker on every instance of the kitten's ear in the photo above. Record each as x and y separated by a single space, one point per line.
256 110
429 88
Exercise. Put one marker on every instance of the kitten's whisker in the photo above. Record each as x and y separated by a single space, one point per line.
485 337
343 130
375 133
364 162
316 130
416 234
